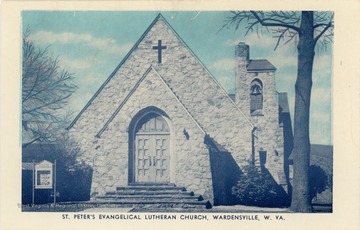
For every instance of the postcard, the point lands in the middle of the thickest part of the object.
(133, 114)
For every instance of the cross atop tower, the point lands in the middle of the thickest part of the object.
(159, 48)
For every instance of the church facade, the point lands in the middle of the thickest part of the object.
(162, 118)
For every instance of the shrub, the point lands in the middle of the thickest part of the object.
(319, 181)
(75, 183)
(259, 188)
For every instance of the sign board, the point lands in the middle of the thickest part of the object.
(44, 175)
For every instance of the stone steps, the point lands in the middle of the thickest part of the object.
(152, 184)
(152, 196)
(147, 192)
(149, 197)
(152, 201)
(150, 188)
(151, 205)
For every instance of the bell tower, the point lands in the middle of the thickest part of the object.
(256, 96)
(255, 89)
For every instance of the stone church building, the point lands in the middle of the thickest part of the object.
(162, 119)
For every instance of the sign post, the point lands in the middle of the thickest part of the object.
(55, 183)
(33, 184)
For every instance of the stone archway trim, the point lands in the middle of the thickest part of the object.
(151, 68)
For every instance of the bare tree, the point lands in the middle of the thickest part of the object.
(46, 89)
(306, 29)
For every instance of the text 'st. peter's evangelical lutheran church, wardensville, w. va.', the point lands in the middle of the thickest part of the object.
(162, 120)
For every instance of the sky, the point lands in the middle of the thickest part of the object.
(90, 44)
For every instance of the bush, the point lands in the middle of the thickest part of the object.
(73, 179)
(259, 189)
(75, 183)
(319, 181)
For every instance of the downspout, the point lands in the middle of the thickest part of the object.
(253, 136)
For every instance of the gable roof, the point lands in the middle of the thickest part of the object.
(260, 65)
(134, 89)
(159, 17)
(114, 72)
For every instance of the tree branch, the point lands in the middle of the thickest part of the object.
(47, 104)
(328, 26)
(29, 143)
(278, 24)
(45, 94)
(320, 25)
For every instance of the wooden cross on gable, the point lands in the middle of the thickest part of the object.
(159, 47)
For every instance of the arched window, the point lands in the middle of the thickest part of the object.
(256, 97)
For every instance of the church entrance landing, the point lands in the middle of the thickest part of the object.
(152, 150)
(156, 196)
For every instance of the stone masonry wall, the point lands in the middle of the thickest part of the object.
(206, 101)
(269, 133)
(190, 162)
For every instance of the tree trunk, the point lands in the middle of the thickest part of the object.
(301, 152)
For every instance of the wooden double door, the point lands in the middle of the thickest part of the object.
(152, 150)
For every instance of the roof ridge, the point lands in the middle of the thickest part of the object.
(207, 70)
(180, 102)
(159, 16)
(260, 64)
(123, 102)
(134, 89)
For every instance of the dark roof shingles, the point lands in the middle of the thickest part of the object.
(260, 64)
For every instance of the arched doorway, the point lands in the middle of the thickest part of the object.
(151, 149)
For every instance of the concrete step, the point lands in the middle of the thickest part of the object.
(150, 197)
(151, 188)
(151, 204)
(151, 201)
(147, 192)
(152, 184)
